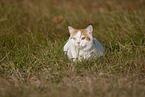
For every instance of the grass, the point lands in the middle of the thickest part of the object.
(33, 33)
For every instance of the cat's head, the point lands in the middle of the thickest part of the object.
(81, 37)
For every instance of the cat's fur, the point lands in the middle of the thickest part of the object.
(82, 45)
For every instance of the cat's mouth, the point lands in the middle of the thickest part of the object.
(78, 45)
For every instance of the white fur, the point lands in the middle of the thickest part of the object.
(84, 50)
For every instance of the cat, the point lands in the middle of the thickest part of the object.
(81, 44)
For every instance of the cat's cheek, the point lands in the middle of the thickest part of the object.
(83, 44)
(72, 41)
(75, 44)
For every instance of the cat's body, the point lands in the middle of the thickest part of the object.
(82, 45)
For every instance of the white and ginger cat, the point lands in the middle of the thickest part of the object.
(82, 45)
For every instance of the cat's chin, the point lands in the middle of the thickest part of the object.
(80, 46)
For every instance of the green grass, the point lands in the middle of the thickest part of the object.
(33, 33)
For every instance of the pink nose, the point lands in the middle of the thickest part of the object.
(78, 42)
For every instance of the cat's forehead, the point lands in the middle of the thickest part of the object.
(79, 32)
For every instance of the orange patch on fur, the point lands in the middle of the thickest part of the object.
(83, 32)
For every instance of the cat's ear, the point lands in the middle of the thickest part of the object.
(71, 29)
(89, 29)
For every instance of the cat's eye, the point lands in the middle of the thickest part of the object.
(74, 38)
(83, 38)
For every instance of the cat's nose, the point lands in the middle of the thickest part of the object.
(78, 42)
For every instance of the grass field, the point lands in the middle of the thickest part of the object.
(33, 33)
